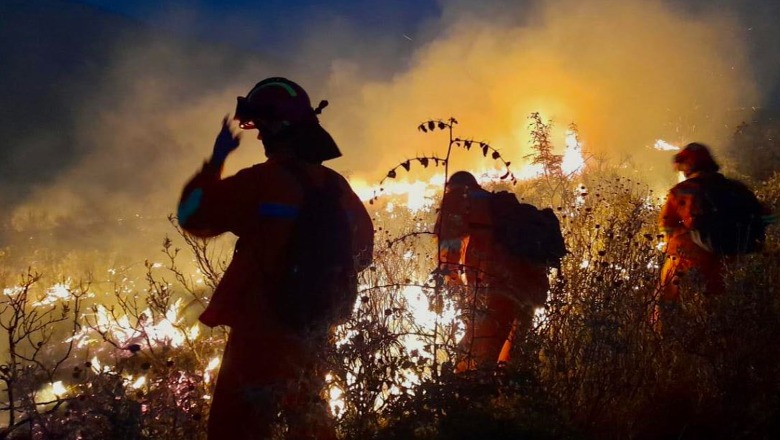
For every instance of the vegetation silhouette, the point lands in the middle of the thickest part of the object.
(595, 366)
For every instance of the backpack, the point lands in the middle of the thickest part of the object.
(320, 286)
(525, 231)
(729, 219)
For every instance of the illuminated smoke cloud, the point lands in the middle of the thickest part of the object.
(628, 73)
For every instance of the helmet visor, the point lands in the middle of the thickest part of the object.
(243, 114)
(247, 113)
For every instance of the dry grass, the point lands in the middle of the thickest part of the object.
(597, 365)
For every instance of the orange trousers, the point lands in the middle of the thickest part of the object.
(707, 271)
(262, 376)
(487, 331)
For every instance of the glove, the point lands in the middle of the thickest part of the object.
(227, 141)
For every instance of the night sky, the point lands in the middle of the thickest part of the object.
(276, 26)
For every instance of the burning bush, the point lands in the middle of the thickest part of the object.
(120, 361)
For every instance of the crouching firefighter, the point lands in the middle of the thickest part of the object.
(303, 235)
(504, 248)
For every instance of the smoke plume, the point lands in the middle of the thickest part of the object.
(627, 73)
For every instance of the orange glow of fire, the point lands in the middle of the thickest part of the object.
(166, 329)
(414, 195)
(421, 194)
(426, 321)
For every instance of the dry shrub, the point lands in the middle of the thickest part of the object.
(597, 365)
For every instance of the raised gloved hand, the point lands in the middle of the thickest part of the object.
(227, 141)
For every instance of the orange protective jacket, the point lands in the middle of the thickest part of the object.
(683, 204)
(259, 205)
(466, 240)
(264, 360)
(513, 286)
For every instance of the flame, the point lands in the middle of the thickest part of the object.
(420, 194)
(96, 366)
(426, 317)
(580, 194)
(140, 382)
(662, 145)
(58, 388)
(56, 293)
(573, 162)
(12, 291)
(540, 316)
(335, 395)
(213, 364)
(194, 332)
(164, 330)
(51, 392)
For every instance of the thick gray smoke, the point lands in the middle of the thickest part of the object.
(95, 161)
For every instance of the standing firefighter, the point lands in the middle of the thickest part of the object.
(303, 235)
(706, 218)
(478, 235)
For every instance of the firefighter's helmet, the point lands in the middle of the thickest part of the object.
(697, 157)
(462, 178)
(276, 100)
(283, 111)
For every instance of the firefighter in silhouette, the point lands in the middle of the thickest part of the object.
(706, 220)
(501, 290)
(287, 232)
